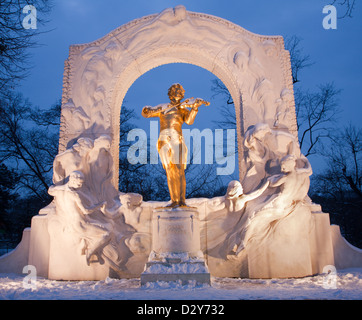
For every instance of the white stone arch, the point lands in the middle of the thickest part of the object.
(255, 69)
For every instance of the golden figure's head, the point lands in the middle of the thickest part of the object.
(176, 93)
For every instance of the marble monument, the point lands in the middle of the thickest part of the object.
(265, 226)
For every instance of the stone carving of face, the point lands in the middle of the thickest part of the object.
(287, 164)
(235, 189)
(76, 180)
(83, 146)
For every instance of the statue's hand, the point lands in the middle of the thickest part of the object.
(199, 102)
(145, 111)
(103, 207)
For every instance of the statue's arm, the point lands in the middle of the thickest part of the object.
(112, 212)
(52, 191)
(149, 112)
(191, 115)
(257, 193)
(87, 210)
(277, 180)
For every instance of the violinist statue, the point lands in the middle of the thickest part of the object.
(171, 145)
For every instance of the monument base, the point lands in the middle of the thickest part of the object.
(176, 254)
(173, 267)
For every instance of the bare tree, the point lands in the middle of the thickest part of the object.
(8, 180)
(15, 40)
(202, 180)
(348, 5)
(47, 118)
(25, 146)
(344, 157)
(316, 113)
(228, 119)
(342, 180)
(299, 60)
(339, 187)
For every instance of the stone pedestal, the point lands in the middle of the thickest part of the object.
(176, 254)
(285, 252)
(321, 246)
(65, 259)
(39, 247)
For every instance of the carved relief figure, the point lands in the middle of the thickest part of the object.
(73, 209)
(293, 185)
(101, 168)
(265, 147)
(80, 120)
(236, 199)
(272, 156)
(103, 232)
(236, 202)
(293, 181)
(71, 160)
(227, 219)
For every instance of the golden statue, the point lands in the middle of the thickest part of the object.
(171, 145)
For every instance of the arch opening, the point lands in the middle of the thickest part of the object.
(136, 70)
(202, 138)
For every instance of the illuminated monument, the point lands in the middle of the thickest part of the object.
(264, 227)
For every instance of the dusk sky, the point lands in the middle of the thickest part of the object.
(336, 53)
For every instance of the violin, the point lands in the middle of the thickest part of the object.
(188, 103)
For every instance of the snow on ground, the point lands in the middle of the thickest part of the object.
(346, 285)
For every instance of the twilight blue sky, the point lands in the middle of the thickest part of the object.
(336, 53)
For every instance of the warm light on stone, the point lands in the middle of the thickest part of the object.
(264, 227)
